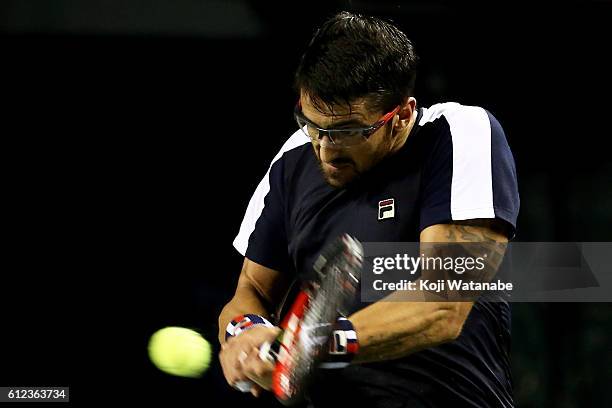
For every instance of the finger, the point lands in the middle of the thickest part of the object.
(232, 369)
(258, 371)
(234, 359)
(249, 362)
(242, 356)
(256, 390)
(260, 368)
(232, 380)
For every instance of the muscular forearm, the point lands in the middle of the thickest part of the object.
(389, 330)
(246, 300)
(395, 327)
(258, 291)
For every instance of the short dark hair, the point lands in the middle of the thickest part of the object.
(353, 56)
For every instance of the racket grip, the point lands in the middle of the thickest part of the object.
(243, 386)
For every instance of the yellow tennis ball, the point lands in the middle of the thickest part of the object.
(180, 351)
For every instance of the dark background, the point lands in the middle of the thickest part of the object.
(135, 133)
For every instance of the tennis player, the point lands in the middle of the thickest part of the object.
(369, 161)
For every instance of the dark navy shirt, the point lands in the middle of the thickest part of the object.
(455, 165)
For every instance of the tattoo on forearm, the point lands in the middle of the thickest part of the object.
(475, 239)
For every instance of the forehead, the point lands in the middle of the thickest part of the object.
(325, 115)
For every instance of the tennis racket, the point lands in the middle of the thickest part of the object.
(309, 322)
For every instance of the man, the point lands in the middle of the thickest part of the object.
(447, 174)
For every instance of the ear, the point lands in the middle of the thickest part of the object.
(405, 114)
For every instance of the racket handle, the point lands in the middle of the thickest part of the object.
(243, 386)
(266, 354)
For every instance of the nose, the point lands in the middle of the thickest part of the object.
(328, 153)
(325, 142)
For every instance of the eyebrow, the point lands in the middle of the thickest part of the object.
(349, 122)
(340, 123)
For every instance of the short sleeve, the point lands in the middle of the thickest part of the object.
(263, 237)
(470, 172)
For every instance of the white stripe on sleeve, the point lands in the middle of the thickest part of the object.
(472, 178)
(472, 183)
(256, 204)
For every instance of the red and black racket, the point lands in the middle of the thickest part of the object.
(309, 322)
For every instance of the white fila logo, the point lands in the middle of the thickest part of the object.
(386, 209)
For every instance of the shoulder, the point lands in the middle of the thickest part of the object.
(459, 118)
(465, 132)
(469, 171)
(295, 143)
(264, 203)
(291, 152)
